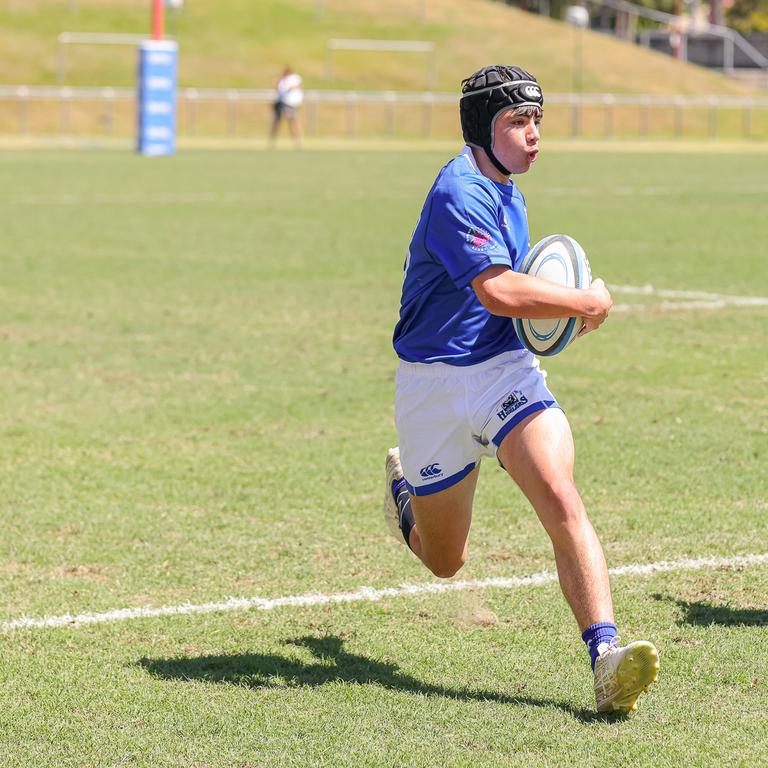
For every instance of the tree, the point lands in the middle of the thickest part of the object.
(748, 16)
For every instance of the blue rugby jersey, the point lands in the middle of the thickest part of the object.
(467, 224)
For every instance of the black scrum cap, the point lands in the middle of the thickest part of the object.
(487, 94)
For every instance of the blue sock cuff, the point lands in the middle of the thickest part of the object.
(602, 632)
(601, 628)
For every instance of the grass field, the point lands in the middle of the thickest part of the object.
(195, 403)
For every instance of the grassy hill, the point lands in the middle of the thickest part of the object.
(245, 43)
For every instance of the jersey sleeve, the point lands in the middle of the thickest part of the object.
(464, 233)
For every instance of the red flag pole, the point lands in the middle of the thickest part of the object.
(157, 19)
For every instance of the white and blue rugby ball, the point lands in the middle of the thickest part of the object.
(562, 260)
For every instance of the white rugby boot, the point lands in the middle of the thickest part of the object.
(391, 513)
(622, 674)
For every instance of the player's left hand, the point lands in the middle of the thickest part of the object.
(603, 303)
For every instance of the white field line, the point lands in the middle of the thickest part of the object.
(193, 198)
(368, 594)
(189, 198)
(640, 191)
(684, 300)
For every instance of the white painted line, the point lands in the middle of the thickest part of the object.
(368, 594)
(670, 306)
(189, 198)
(665, 293)
(685, 299)
(640, 191)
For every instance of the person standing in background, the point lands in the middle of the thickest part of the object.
(289, 99)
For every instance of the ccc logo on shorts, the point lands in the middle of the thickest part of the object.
(431, 470)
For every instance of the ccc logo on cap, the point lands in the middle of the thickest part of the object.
(531, 91)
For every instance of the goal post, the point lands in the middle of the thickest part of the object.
(158, 19)
(156, 90)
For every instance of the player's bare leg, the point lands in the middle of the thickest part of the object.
(435, 527)
(295, 127)
(539, 456)
(440, 536)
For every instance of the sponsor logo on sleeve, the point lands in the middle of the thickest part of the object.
(480, 239)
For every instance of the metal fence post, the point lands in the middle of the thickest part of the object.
(311, 117)
(575, 116)
(645, 116)
(23, 97)
(232, 98)
(390, 124)
(351, 114)
(609, 101)
(426, 117)
(190, 96)
(108, 94)
(65, 110)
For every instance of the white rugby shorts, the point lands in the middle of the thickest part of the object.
(448, 417)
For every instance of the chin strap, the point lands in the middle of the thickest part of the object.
(495, 161)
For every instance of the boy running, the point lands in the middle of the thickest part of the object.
(467, 388)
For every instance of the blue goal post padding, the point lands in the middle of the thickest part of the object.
(156, 97)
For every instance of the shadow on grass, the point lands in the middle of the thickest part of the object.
(702, 614)
(334, 665)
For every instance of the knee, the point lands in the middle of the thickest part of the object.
(566, 508)
(446, 566)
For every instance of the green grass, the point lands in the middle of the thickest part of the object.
(196, 400)
(242, 43)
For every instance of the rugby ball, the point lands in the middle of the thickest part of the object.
(562, 260)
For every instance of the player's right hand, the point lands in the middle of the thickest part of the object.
(599, 306)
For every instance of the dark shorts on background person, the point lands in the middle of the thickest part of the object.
(283, 110)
